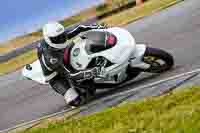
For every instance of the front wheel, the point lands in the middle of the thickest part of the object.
(158, 59)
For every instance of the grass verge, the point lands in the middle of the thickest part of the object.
(176, 112)
(98, 10)
(138, 12)
(119, 19)
(19, 42)
(18, 62)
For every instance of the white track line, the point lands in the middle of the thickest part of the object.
(36, 120)
(120, 93)
(155, 83)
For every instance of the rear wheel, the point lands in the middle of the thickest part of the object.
(158, 59)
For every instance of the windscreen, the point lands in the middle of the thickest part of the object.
(97, 41)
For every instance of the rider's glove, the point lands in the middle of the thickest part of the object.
(77, 76)
(84, 75)
(92, 73)
(95, 71)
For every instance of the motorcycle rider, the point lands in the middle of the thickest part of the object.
(53, 53)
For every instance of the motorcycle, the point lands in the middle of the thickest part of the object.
(115, 52)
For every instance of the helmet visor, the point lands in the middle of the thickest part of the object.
(60, 39)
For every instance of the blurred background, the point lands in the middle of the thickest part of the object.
(23, 16)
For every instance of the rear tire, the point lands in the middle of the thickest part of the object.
(159, 60)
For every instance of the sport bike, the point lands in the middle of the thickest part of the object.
(115, 52)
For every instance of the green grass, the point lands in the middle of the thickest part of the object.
(118, 19)
(17, 62)
(21, 41)
(177, 112)
(136, 13)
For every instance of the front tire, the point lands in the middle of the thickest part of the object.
(158, 59)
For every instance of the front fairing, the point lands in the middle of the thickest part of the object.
(34, 72)
(119, 54)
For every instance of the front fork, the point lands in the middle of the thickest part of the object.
(136, 60)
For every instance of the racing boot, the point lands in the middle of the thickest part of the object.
(74, 98)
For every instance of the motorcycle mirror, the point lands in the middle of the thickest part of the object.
(28, 67)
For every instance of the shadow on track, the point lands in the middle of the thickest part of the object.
(125, 86)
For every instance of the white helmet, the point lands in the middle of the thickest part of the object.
(54, 35)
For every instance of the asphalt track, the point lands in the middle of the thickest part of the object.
(176, 30)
